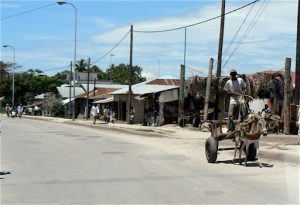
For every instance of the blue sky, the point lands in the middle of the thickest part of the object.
(44, 39)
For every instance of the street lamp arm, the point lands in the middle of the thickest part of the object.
(14, 68)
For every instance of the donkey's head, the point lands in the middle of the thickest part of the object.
(260, 124)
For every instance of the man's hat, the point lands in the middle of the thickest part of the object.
(233, 71)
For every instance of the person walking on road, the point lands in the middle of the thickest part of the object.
(234, 87)
(94, 113)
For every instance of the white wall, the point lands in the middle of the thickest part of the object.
(258, 104)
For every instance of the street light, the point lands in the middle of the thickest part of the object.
(111, 55)
(75, 45)
(13, 80)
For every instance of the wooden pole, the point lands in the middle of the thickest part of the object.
(70, 89)
(88, 90)
(220, 50)
(297, 69)
(208, 86)
(129, 75)
(181, 92)
(287, 94)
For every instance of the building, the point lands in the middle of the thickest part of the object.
(153, 98)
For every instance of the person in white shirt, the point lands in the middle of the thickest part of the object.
(234, 87)
(20, 110)
(94, 113)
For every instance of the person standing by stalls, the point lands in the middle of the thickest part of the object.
(94, 113)
(234, 87)
(131, 115)
(20, 110)
(7, 110)
(266, 109)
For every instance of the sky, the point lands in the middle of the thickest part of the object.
(256, 38)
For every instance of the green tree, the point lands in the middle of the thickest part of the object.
(5, 82)
(81, 65)
(120, 74)
(58, 110)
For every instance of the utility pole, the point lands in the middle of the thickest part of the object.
(181, 96)
(220, 50)
(208, 85)
(287, 94)
(129, 74)
(297, 69)
(88, 90)
(70, 89)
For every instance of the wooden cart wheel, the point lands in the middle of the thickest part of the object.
(211, 149)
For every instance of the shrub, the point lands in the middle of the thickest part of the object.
(58, 110)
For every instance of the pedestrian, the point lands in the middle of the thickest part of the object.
(7, 110)
(266, 109)
(20, 110)
(131, 115)
(234, 87)
(94, 113)
(105, 114)
(111, 115)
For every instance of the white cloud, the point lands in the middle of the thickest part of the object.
(272, 39)
(8, 5)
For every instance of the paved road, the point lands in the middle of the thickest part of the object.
(52, 163)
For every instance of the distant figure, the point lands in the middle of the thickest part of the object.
(131, 115)
(7, 110)
(111, 115)
(20, 110)
(106, 115)
(266, 109)
(94, 113)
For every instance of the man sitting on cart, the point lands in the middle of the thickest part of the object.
(234, 87)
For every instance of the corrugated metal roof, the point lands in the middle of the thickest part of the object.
(175, 82)
(147, 87)
(100, 93)
(142, 88)
(107, 100)
(114, 86)
(64, 91)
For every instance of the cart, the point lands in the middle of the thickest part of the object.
(212, 143)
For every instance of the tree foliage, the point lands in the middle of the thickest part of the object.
(28, 84)
(120, 74)
(33, 82)
(58, 110)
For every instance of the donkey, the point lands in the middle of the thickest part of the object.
(250, 132)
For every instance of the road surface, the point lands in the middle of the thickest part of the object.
(55, 163)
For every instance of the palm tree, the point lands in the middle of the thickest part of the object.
(81, 66)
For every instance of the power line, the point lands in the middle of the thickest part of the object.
(109, 51)
(250, 27)
(26, 12)
(236, 33)
(198, 23)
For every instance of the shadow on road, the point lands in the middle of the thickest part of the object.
(4, 173)
(249, 163)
